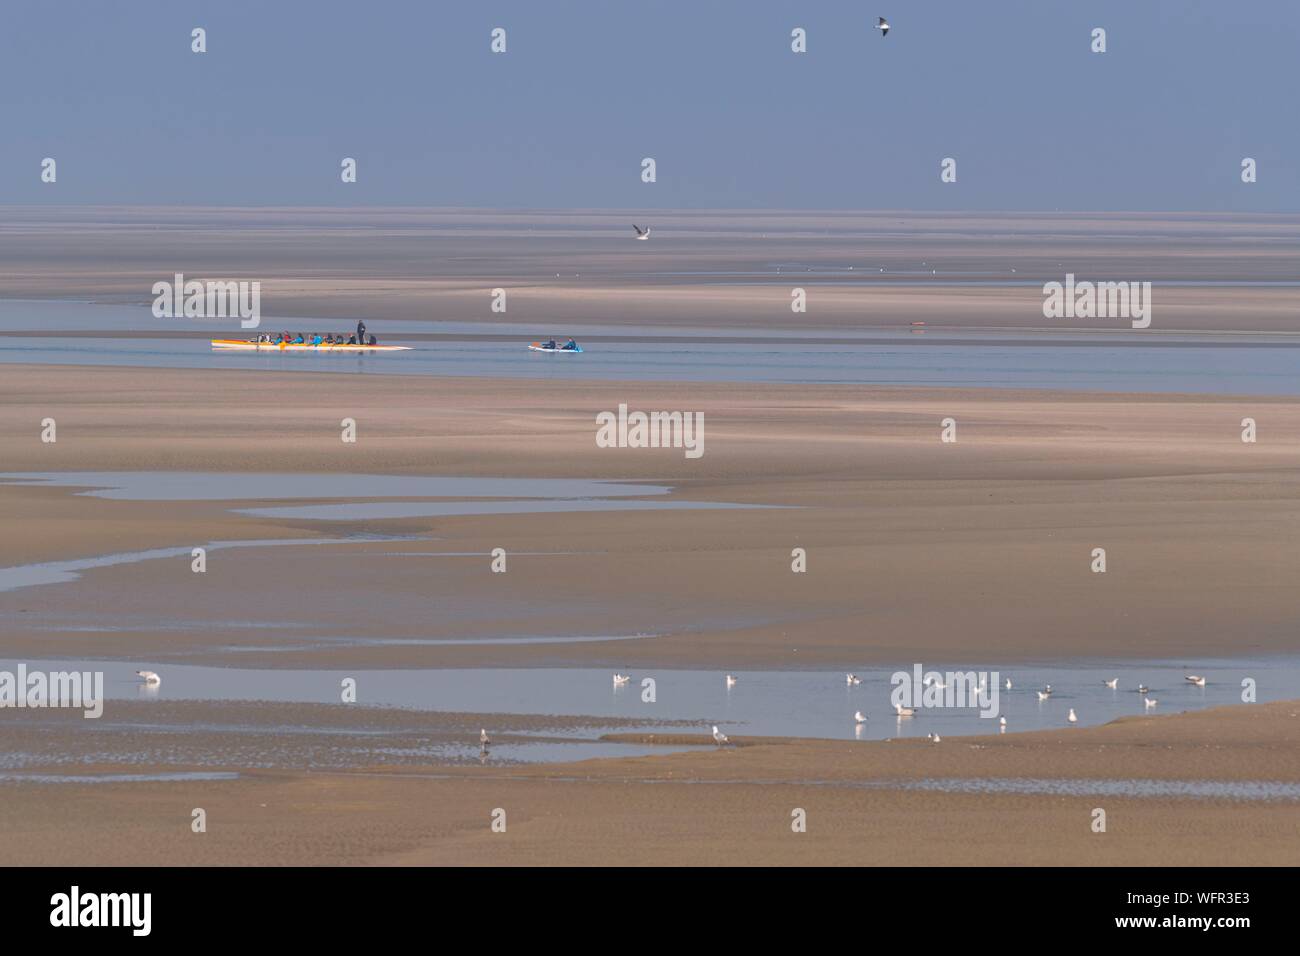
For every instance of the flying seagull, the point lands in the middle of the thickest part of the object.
(718, 736)
(149, 677)
(641, 233)
(883, 26)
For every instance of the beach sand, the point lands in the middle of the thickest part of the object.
(711, 806)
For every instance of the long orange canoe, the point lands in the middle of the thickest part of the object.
(304, 347)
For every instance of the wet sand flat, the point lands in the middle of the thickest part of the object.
(907, 537)
(708, 806)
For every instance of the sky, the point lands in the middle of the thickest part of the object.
(710, 89)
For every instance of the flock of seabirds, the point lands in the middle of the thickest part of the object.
(901, 712)
(152, 680)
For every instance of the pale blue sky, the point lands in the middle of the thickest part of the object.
(710, 89)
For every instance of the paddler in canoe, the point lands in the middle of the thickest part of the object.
(550, 346)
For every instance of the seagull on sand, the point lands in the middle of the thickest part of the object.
(149, 678)
(1002, 725)
(1150, 701)
(731, 681)
(903, 711)
(641, 233)
(852, 679)
(483, 738)
(1193, 679)
(1112, 683)
(858, 716)
(883, 26)
(1072, 718)
(934, 737)
(718, 736)
(621, 679)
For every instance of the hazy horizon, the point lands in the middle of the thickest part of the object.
(734, 119)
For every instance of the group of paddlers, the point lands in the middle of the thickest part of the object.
(316, 338)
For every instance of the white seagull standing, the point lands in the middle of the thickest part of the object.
(852, 679)
(1150, 701)
(718, 736)
(149, 678)
(1008, 683)
(483, 738)
(934, 737)
(1192, 679)
(1072, 718)
(883, 26)
(857, 715)
(1112, 683)
(731, 681)
(641, 233)
(1002, 725)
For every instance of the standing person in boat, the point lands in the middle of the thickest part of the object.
(361, 331)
